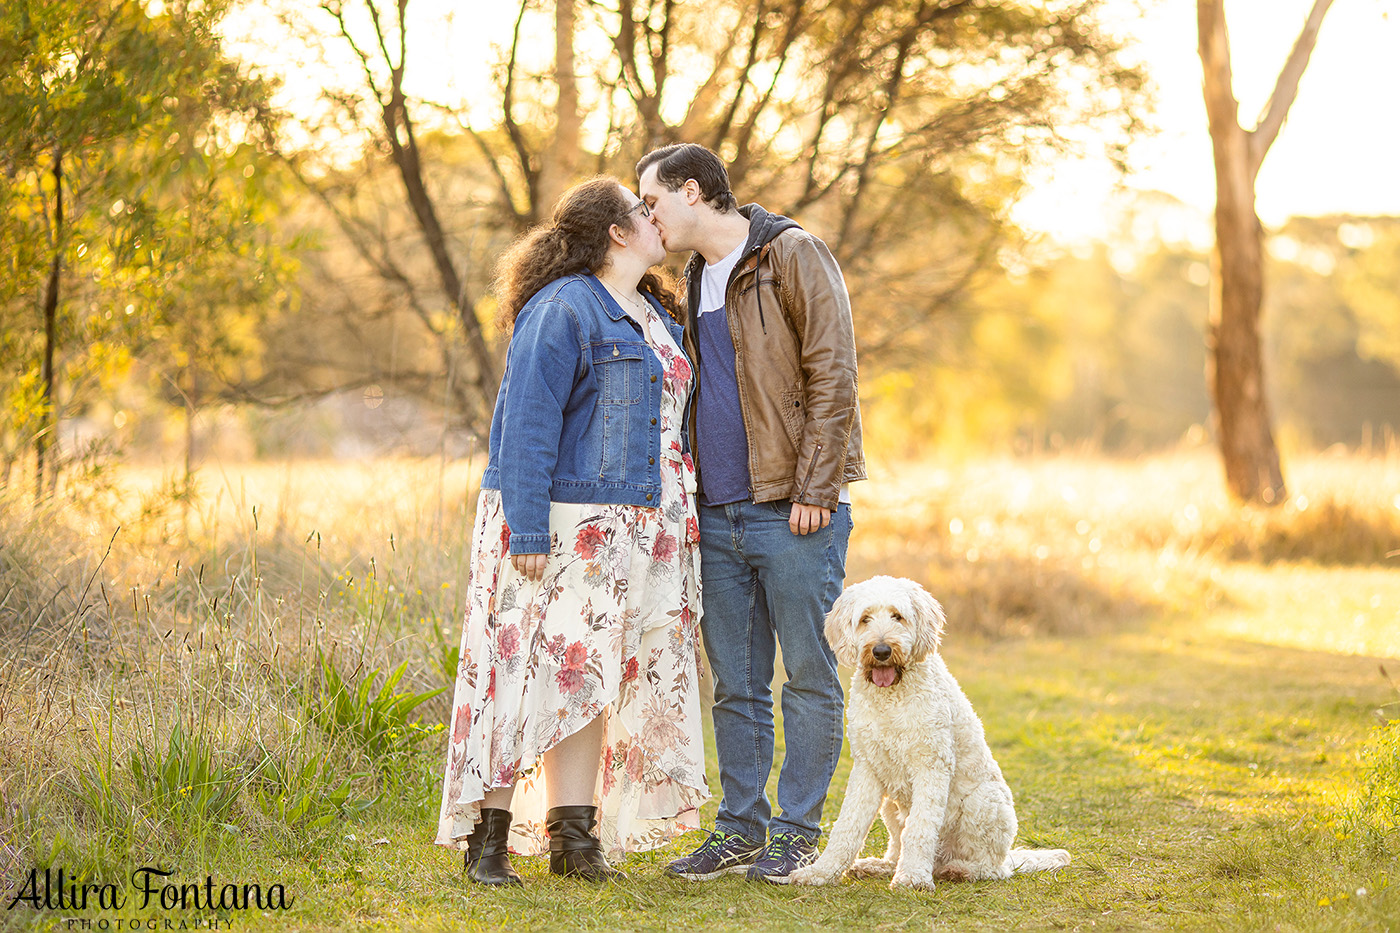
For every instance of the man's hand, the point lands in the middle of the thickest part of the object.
(806, 519)
(531, 565)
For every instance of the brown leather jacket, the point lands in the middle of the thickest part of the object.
(795, 359)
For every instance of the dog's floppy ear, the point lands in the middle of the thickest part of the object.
(928, 620)
(839, 623)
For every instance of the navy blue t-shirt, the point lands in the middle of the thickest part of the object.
(722, 448)
(722, 443)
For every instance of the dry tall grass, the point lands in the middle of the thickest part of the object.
(139, 606)
(1070, 545)
(139, 610)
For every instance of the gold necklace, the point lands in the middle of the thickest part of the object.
(641, 306)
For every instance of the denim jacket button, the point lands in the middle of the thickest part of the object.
(653, 378)
(615, 350)
(648, 497)
(653, 421)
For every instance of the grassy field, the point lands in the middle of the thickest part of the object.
(1188, 696)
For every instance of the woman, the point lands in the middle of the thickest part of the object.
(576, 690)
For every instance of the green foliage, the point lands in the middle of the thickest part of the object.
(1333, 324)
(98, 786)
(377, 720)
(148, 137)
(1381, 803)
(1191, 755)
(1368, 282)
(22, 411)
(308, 794)
(1116, 339)
(190, 780)
(1376, 811)
(447, 650)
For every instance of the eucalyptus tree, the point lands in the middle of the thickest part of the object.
(1252, 469)
(902, 131)
(126, 139)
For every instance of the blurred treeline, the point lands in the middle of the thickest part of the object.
(197, 247)
(1103, 345)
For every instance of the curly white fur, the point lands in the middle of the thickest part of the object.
(920, 757)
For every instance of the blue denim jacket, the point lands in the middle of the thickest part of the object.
(576, 419)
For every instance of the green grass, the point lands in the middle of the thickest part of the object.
(1199, 784)
(1193, 717)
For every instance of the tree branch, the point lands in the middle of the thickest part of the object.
(1286, 90)
(625, 42)
(660, 69)
(699, 108)
(518, 219)
(517, 137)
(796, 24)
(336, 11)
(731, 112)
(891, 96)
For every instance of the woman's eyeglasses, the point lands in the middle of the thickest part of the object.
(639, 206)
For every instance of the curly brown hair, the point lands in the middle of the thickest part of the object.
(575, 239)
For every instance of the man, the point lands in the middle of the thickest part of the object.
(776, 431)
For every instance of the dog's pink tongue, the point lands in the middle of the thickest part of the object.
(882, 676)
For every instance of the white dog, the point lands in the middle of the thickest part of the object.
(920, 757)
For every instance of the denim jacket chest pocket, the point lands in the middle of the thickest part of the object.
(619, 367)
(619, 372)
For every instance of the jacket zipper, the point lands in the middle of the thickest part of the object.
(807, 480)
(758, 292)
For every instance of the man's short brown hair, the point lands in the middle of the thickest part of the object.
(676, 164)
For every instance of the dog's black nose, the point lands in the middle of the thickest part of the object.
(881, 652)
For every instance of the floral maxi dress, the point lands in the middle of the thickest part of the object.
(611, 630)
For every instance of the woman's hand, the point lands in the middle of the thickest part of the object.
(531, 565)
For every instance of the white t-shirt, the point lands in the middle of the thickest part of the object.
(713, 280)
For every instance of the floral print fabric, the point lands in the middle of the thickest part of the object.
(611, 630)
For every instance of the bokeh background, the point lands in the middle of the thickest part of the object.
(276, 223)
(248, 358)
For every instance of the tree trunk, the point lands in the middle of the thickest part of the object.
(1235, 366)
(43, 441)
(561, 160)
(404, 149)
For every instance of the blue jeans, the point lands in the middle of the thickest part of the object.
(762, 587)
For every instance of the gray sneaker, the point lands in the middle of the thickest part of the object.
(722, 854)
(784, 854)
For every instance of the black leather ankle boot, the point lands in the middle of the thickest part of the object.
(486, 858)
(573, 848)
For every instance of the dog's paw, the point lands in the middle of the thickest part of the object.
(812, 875)
(911, 882)
(955, 871)
(872, 868)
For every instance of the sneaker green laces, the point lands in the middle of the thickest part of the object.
(721, 854)
(784, 854)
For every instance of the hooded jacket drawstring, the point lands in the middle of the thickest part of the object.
(758, 292)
